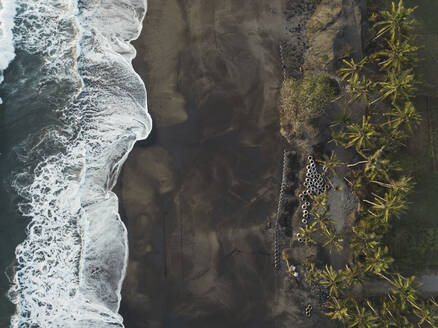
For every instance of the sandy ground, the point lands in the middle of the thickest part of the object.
(197, 194)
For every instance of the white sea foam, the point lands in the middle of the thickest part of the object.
(7, 51)
(73, 261)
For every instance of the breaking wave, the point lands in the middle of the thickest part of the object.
(7, 51)
(72, 263)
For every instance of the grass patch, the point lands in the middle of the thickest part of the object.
(304, 100)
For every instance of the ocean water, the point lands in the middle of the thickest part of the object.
(7, 51)
(73, 107)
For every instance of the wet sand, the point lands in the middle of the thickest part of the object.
(198, 194)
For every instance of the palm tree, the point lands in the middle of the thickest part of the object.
(339, 137)
(425, 314)
(404, 289)
(377, 260)
(375, 164)
(311, 274)
(333, 240)
(396, 55)
(360, 88)
(308, 232)
(322, 219)
(337, 309)
(362, 317)
(352, 68)
(361, 135)
(330, 163)
(391, 314)
(363, 240)
(319, 203)
(385, 207)
(405, 116)
(331, 279)
(400, 85)
(396, 22)
(343, 119)
(353, 274)
(403, 185)
(356, 182)
(404, 294)
(392, 139)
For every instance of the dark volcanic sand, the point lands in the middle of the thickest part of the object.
(197, 194)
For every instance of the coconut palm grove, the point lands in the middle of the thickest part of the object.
(385, 82)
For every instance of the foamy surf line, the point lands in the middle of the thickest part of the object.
(72, 263)
(7, 51)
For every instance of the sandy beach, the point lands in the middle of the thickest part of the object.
(199, 194)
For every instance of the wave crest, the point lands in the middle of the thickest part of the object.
(73, 261)
(7, 50)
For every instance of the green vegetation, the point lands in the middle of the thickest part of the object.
(385, 81)
(304, 100)
(413, 246)
(414, 239)
(396, 23)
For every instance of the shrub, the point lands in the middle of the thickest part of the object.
(302, 101)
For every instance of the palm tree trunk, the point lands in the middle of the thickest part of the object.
(358, 163)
